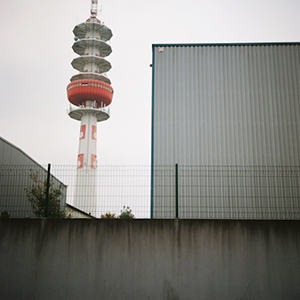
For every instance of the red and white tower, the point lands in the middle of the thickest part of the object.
(91, 93)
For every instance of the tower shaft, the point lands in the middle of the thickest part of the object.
(85, 192)
(87, 153)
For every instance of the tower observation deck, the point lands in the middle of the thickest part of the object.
(91, 94)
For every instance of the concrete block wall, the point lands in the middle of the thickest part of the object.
(149, 259)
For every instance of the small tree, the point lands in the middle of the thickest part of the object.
(126, 213)
(4, 214)
(108, 215)
(36, 195)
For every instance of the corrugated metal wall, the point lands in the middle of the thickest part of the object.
(15, 170)
(226, 105)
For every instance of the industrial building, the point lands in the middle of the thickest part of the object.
(229, 116)
(16, 168)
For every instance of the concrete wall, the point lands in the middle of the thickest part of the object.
(149, 259)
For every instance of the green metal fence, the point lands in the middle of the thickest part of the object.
(177, 191)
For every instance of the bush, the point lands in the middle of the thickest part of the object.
(126, 213)
(108, 215)
(4, 214)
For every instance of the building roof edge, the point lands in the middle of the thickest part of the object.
(226, 44)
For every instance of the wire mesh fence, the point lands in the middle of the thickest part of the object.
(108, 189)
(17, 182)
(115, 187)
(227, 192)
(217, 192)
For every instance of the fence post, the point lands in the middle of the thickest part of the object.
(176, 189)
(47, 192)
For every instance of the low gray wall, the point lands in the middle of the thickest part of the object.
(149, 259)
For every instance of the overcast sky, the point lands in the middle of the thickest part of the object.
(36, 57)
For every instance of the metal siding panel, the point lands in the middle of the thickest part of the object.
(248, 97)
(227, 105)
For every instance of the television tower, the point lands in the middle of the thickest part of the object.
(91, 93)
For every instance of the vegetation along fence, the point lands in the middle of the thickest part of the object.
(223, 192)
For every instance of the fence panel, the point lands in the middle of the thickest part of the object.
(206, 192)
(228, 192)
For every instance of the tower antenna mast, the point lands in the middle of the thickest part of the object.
(94, 8)
(90, 92)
